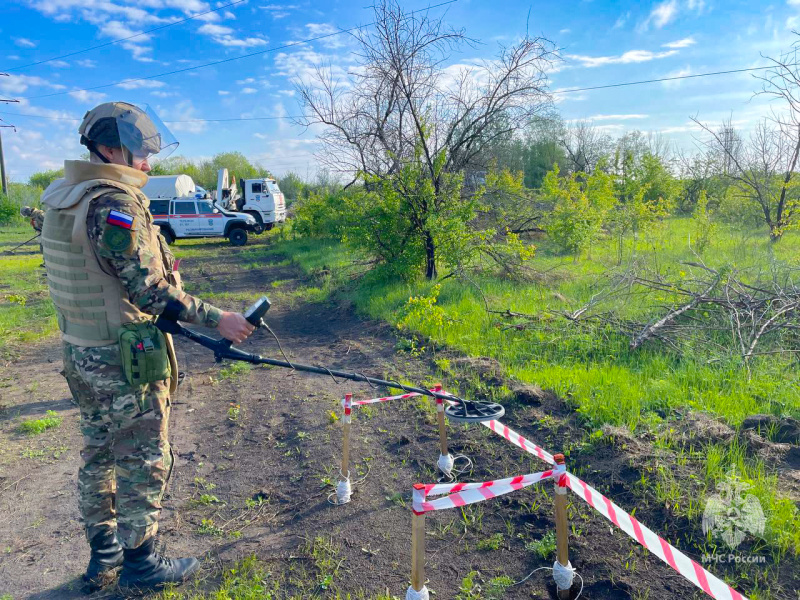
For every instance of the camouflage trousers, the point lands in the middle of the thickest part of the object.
(126, 455)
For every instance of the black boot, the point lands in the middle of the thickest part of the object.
(144, 569)
(106, 557)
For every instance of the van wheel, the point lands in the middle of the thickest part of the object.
(167, 235)
(259, 226)
(237, 237)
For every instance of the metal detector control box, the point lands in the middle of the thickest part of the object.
(256, 312)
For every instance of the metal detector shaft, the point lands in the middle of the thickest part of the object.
(456, 409)
(222, 351)
(14, 249)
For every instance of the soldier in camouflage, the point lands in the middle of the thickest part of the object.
(107, 266)
(35, 215)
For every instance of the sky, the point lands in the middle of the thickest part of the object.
(601, 42)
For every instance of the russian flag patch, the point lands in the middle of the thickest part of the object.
(120, 219)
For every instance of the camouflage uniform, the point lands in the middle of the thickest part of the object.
(126, 457)
(36, 216)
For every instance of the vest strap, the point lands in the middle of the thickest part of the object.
(64, 262)
(63, 247)
(61, 301)
(75, 289)
(68, 275)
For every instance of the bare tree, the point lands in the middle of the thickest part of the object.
(403, 105)
(761, 169)
(586, 146)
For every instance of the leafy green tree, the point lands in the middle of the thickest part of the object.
(43, 179)
(292, 186)
(582, 203)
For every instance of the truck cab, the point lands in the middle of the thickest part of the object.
(199, 217)
(263, 199)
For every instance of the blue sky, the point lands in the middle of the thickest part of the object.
(602, 42)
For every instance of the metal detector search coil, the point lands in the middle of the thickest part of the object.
(466, 411)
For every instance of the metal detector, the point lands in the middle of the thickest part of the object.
(458, 409)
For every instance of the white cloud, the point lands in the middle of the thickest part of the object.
(326, 29)
(245, 81)
(621, 20)
(224, 36)
(88, 63)
(13, 57)
(564, 31)
(211, 29)
(24, 43)
(141, 84)
(248, 90)
(661, 15)
(696, 5)
(15, 85)
(159, 94)
(223, 92)
(179, 117)
(684, 43)
(87, 96)
(679, 73)
(631, 56)
(58, 64)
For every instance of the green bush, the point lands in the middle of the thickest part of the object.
(37, 426)
(9, 211)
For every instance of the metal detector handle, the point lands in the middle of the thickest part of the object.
(254, 315)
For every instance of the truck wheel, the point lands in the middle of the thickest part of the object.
(269, 226)
(259, 227)
(237, 237)
(167, 235)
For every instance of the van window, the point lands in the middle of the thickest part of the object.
(258, 188)
(159, 207)
(185, 208)
(204, 208)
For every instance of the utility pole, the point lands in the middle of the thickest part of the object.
(3, 164)
(3, 172)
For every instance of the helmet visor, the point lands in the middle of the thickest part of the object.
(143, 134)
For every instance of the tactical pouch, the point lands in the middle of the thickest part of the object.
(144, 353)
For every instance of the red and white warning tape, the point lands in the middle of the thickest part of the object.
(676, 559)
(461, 494)
(400, 397)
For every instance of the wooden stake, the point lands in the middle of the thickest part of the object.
(440, 418)
(418, 547)
(348, 399)
(562, 526)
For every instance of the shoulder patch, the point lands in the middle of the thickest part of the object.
(118, 239)
(121, 219)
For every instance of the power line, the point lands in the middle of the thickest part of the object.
(130, 37)
(225, 60)
(643, 81)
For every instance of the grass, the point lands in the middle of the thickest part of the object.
(544, 547)
(37, 426)
(26, 312)
(594, 370)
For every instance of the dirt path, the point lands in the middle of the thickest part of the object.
(256, 452)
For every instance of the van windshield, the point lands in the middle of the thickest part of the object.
(273, 187)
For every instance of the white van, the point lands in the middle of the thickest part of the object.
(190, 217)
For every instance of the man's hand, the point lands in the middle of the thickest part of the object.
(234, 327)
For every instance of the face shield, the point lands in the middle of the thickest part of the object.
(142, 134)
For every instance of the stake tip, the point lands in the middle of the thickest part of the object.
(559, 458)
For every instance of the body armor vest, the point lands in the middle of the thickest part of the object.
(90, 300)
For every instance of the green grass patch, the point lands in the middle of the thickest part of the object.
(592, 368)
(234, 370)
(37, 426)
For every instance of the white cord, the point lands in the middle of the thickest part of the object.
(344, 488)
(572, 571)
(452, 474)
(412, 594)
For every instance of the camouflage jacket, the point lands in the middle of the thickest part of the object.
(136, 265)
(36, 217)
